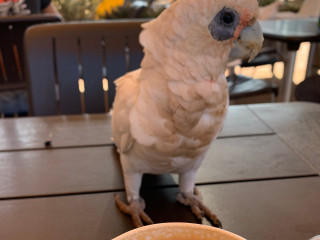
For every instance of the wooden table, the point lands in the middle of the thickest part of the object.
(292, 32)
(261, 177)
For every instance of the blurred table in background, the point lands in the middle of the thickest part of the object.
(291, 32)
(261, 176)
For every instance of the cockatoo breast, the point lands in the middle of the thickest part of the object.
(182, 120)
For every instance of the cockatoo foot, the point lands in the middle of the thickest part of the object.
(198, 208)
(136, 210)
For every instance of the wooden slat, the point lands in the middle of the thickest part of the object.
(90, 169)
(41, 71)
(242, 121)
(267, 210)
(297, 124)
(122, 36)
(116, 62)
(264, 210)
(96, 129)
(63, 131)
(249, 158)
(68, 74)
(135, 49)
(91, 58)
(59, 171)
(64, 218)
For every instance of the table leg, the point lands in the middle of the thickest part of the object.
(312, 52)
(288, 76)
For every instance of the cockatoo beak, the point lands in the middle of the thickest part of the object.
(249, 43)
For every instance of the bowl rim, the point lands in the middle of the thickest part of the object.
(178, 224)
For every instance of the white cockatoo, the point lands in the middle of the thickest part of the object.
(167, 113)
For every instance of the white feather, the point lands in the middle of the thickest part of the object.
(166, 114)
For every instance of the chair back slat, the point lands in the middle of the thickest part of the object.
(91, 60)
(116, 62)
(92, 51)
(135, 51)
(40, 62)
(67, 59)
(128, 59)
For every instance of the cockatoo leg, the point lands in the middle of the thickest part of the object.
(136, 210)
(190, 196)
(136, 206)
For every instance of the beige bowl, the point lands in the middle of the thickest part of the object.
(178, 231)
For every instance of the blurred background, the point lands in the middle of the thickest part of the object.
(99, 9)
(78, 10)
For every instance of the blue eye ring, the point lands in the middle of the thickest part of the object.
(224, 24)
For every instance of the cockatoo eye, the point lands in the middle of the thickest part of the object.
(227, 17)
(223, 25)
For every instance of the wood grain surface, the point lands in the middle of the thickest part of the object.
(268, 210)
(298, 125)
(95, 130)
(261, 177)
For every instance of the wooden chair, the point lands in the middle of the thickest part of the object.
(12, 29)
(71, 66)
(242, 88)
(13, 96)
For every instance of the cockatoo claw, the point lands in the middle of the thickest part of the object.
(198, 208)
(136, 210)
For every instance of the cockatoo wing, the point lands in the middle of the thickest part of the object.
(126, 89)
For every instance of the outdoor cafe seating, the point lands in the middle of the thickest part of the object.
(60, 169)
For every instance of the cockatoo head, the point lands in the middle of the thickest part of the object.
(205, 27)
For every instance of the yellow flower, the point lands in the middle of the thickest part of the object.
(107, 6)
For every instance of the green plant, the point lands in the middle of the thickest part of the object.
(265, 2)
(77, 9)
(286, 5)
(134, 12)
(292, 5)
